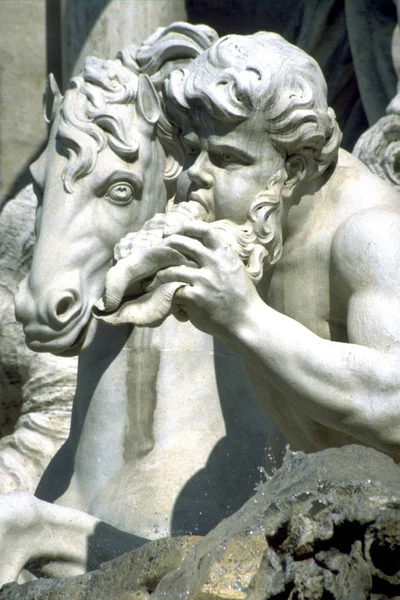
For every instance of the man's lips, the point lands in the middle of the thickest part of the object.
(198, 197)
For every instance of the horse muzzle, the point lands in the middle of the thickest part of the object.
(55, 321)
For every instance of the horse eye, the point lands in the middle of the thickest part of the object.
(120, 193)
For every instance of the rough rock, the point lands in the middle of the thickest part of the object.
(330, 522)
(326, 526)
(36, 390)
(134, 575)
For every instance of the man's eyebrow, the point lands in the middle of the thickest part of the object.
(190, 136)
(223, 146)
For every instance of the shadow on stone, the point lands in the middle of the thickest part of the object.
(326, 526)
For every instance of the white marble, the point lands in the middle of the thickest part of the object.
(290, 262)
(319, 333)
(161, 442)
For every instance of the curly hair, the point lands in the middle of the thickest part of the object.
(241, 75)
(87, 120)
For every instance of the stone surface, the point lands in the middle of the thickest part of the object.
(373, 22)
(22, 79)
(36, 391)
(133, 576)
(326, 525)
(313, 525)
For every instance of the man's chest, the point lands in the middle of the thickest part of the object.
(304, 287)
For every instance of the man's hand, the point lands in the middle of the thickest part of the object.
(181, 266)
(139, 256)
(218, 290)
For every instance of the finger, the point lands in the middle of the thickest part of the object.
(156, 222)
(182, 296)
(133, 269)
(178, 308)
(210, 237)
(189, 247)
(149, 310)
(173, 274)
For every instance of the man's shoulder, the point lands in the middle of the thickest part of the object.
(366, 246)
(353, 181)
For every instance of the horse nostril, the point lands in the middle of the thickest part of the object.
(64, 306)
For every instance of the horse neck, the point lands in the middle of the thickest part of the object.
(118, 383)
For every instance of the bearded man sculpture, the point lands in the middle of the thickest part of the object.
(319, 334)
(282, 246)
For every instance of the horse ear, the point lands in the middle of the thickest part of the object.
(148, 102)
(52, 99)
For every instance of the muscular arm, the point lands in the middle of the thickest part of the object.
(352, 388)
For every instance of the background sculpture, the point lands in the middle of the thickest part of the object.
(379, 146)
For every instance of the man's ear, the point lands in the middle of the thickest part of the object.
(296, 170)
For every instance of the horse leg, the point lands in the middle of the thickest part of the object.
(53, 540)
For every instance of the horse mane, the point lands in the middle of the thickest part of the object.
(87, 121)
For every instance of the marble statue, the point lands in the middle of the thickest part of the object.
(160, 442)
(277, 243)
(318, 333)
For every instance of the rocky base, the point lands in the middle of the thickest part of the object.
(36, 390)
(133, 575)
(326, 526)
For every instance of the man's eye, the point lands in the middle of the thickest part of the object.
(227, 157)
(120, 193)
(192, 150)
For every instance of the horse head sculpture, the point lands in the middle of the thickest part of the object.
(101, 176)
(103, 173)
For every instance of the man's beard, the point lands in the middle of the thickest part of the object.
(258, 242)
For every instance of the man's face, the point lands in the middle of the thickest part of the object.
(227, 166)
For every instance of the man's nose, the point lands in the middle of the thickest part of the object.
(199, 172)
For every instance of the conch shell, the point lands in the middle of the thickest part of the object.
(139, 257)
